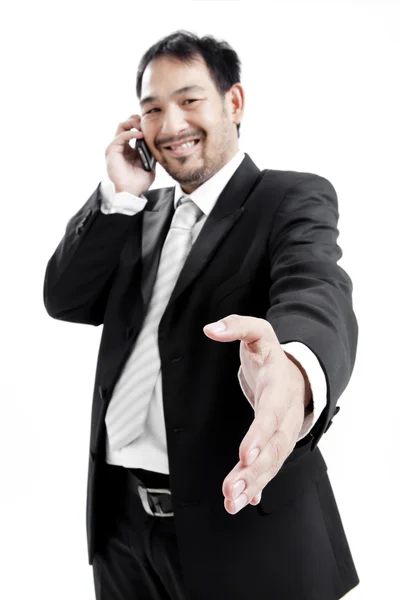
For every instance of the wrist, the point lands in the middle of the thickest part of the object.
(122, 188)
(307, 394)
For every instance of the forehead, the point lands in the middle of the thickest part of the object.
(164, 75)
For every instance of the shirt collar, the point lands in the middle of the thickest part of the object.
(206, 195)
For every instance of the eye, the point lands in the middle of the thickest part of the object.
(190, 100)
(150, 111)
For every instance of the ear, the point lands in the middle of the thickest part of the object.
(235, 100)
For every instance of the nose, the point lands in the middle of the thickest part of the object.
(174, 124)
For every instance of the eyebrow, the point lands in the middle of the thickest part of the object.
(183, 90)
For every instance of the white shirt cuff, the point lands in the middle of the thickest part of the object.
(316, 377)
(119, 202)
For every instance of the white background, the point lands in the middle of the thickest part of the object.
(321, 82)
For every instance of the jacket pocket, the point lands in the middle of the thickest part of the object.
(291, 481)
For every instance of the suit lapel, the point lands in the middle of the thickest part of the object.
(225, 214)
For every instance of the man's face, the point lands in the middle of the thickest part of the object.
(172, 115)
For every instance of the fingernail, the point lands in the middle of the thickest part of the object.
(217, 327)
(240, 502)
(238, 488)
(253, 455)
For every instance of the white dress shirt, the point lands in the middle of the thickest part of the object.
(149, 450)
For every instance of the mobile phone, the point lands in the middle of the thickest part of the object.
(148, 160)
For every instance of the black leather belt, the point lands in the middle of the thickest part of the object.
(156, 498)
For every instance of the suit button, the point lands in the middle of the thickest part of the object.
(179, 429)
(78, 229)
(176, 358)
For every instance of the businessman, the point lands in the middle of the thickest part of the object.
(228, 338)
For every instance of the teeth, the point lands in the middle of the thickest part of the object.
(185, 145)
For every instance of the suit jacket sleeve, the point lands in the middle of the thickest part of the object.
(310, 294)
(79, 274)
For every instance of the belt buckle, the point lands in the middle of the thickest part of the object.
(145, 501)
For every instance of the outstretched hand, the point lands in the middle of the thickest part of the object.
(281, 392)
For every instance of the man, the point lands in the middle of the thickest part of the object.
(228, 337)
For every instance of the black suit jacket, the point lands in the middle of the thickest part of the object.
(268, 249)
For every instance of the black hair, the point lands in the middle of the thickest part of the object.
(221, 59)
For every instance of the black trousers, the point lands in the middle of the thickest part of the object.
(138, 557)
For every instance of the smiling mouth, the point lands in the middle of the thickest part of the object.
(183, 149)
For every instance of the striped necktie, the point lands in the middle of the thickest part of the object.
(128, 408)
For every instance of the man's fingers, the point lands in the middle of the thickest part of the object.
(250, 330)
(269, 417)
(256, 499)
(252, 492)
(248, 479)
(132, 122)
(257, 475)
